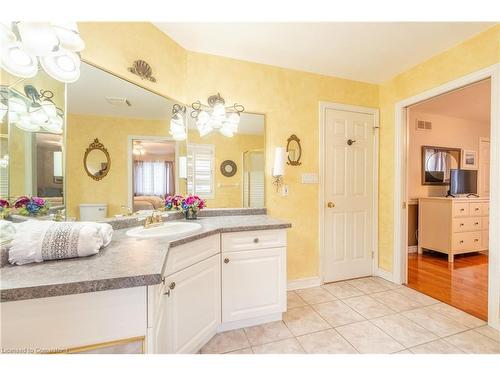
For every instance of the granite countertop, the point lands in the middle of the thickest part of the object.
(125, 263)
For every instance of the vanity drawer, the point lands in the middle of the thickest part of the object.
(182, 256)
(262, 239)
(467, 224)
(460, 209)
(466, 241)
(476, 209)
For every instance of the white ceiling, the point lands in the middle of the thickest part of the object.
(469, 103)
(88, 96)
(363, 51)
(158, 148)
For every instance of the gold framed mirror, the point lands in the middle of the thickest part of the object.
(294, 150)
(96, 160)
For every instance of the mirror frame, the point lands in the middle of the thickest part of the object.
(230, 163)
(293, 138)
(96, 145)
(439, 148)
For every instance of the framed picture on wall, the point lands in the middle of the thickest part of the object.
(469, 159)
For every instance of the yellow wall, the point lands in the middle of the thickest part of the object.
(289, 99)
(113, 133)
(467, 57)
(228, 149)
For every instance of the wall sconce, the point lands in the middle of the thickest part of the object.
(279, 167)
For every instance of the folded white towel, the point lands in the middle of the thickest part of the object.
(39, 240)
(7, 231)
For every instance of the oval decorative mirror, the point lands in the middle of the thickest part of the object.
(294, 150)
(228, 168)
(96, 160)
(437, 163)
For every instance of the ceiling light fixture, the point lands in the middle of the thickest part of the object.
(177, 124)
(54, 45)
(216, 116)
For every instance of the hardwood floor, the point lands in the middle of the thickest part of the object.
(462, 284)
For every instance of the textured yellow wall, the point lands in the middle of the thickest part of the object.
(467, 57)
(113, 133)
(228, 149)
(290, 100)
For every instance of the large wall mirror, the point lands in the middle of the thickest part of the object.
(32, 140)
(437, 163)
(140, 164)
(228, 172)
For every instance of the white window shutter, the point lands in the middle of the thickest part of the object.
(200, 170)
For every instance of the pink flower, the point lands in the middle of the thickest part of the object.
(21, 202)
(38, 201)
(4, 203)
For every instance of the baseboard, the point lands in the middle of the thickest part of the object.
(412, 249)
(307, 282)
(385, 274)
(229, 326)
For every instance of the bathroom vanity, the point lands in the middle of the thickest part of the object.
(161, 295)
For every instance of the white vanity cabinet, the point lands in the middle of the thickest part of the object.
(190, 308)
(253, 277)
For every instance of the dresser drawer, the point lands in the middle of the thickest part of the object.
(476, 208)
(460, 209)
(463, 242)
(485, 208)
(263, 239)
(467, 224)
(182, 256)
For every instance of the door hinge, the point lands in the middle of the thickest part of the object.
(404, 204)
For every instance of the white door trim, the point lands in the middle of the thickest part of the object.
(130, 140)
(321, 206)
(400, 190)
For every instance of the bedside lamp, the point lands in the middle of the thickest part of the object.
(279, 167)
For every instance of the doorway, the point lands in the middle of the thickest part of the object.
(401, 197)
(348, 193)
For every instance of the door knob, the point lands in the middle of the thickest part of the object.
(350, 142)
(226, 260)
(331, 205)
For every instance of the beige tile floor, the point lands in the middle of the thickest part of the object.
(368, 315)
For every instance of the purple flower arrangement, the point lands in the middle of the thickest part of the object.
(190, 204)
(33, 206)
(173, 202)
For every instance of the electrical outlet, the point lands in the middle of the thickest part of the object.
(284, 191)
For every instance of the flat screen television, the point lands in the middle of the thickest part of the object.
(463, 181)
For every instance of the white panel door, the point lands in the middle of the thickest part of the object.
(484, 167)
(349, 183)
(253, 283)
(191, 311)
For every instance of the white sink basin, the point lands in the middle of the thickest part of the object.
(164, 230)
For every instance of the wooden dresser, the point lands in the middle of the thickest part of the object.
(453, 225)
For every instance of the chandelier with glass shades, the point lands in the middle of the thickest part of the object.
(53, 46)
(178, 129)
(216, 116)
(36, 111)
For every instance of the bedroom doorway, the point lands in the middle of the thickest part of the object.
(469, 217)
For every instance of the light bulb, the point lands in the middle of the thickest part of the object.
(37, 114)
(38, 38)
(219, 110)
(49, 108)
(26, 124)
(234, 118)
(203, 118)
(62, 65)
(16, 61)
(226, 131)
(204, 130)
(17, 105)
(68, 35)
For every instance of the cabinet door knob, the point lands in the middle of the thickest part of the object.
(226, 260)
(255, 240)
(476, 223)
(476, 239)
(172, 285)
(462, 210)
(462, 241)
(461, 224)
(331, 205)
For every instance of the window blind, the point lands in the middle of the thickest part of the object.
(200, 170)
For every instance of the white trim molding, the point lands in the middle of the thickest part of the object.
(321, 206)
(400, 178)
(307, 282)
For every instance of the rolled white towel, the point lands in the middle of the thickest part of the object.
(7, 231)
(105, 230)
(39, 240)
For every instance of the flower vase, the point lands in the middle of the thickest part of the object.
(191, 214)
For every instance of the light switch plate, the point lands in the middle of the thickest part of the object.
(284, 191)
(310, 178)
